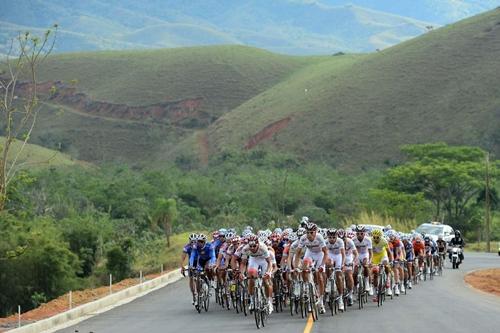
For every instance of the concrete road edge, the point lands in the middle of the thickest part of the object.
(104, 304)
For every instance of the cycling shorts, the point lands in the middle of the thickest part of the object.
(256, 262)
(316, 257)
(336, 260)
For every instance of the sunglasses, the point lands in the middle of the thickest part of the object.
(252, 246)
(311, 232)
(376, 237)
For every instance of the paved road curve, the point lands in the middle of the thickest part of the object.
(446, 303)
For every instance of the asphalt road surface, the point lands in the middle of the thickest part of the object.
(445, 304)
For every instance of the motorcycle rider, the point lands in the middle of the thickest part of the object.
(458, 241)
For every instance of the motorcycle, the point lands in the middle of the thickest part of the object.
(456, 255)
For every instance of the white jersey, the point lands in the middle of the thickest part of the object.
(335, 248)
(315, 246)
(363, 246)
(349, 246)
(262, 252)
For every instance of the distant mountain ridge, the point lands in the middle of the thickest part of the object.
(283, 26)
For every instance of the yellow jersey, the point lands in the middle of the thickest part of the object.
(379, 250)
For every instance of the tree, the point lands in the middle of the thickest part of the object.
(19, 118)
(450, 177)
(164, 216)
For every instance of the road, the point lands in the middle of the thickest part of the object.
(446, 304)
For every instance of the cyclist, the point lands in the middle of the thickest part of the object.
(186, 253)
(351, 256)
(202, 257)
(410, 257)
(316, 254)
(336, 261)
(419, 248)
(430, 249)
(364, 247)
(395, 248)
(381, 256)
(441, 247)
(257, 255)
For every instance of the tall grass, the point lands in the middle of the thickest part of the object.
(382, 220)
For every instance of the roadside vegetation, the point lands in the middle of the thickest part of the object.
(69, 227)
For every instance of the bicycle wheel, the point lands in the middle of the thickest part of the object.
(244, 302)
(313, 302)
(256, 307)
(206, 300)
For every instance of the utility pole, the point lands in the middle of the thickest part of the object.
(487, 202)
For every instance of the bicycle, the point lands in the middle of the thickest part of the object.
(294, 294)
(440, 264)
(308, 296)
(382, 281)
(332, 295)
(362, 294)
(202, 290)
(279, 295)
(260, 309)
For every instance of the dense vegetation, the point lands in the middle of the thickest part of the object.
(68, 227)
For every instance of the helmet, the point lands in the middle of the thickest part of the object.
(331, 232)
(288, 230)
(427, 239)
(252, 239)
(376, 233)
(304, 221)
(246, 233)
(341, 233)
(301, 232)
(322, 231)
(230, 235)
(351, 234)
(360, 228)
(202, 237)
(193, 237)
(278, 230)
(222, 232)
(249, 228)
(440, 237)
(292, 237)
(312, 227)
(236, 239)
(457, 232)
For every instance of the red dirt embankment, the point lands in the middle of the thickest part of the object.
(179, 112)
(61, 303)
(267, 132)
(487, 280)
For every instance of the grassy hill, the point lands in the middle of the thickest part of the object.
(441, 86)
(36, 156)
(350, 110)
(102, 117)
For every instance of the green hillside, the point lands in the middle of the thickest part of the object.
(441, 86)
(36, 156)
(134, 105)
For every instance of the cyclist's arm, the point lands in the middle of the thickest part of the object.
(389, 253)
(183, 258)
(325, 256)
(269, 265)
(370, 255)
(342, 251)
(192, 257)
(212, 256)
(298, 253)
(243, 266)
(356, 255)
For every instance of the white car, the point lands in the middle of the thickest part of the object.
(435, 229)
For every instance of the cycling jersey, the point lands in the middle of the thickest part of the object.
(334, 252)
(315, 246)
(441, 245)
(217, 244)
(188, 248)
(278, 251)
(430, 247)
(262, 252)
(418, 246)
(379, 251)
(409, 251)
(200, 255)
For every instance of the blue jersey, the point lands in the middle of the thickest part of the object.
(216, 245)
(409, 251)
(200, 255)
(188, 248)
